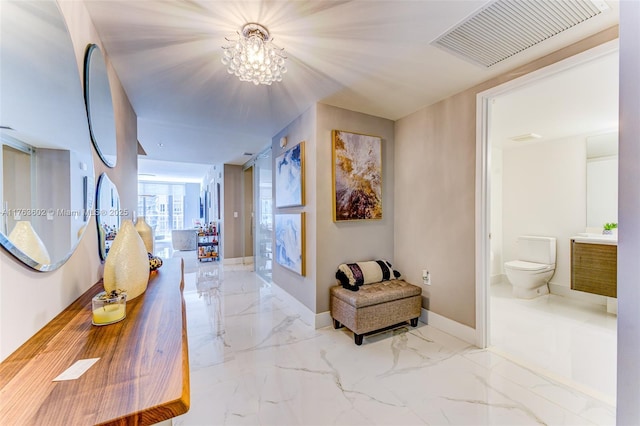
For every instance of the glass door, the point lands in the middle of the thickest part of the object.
(263, 207)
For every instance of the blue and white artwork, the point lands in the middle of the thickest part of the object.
(290, 241)
(290, 177)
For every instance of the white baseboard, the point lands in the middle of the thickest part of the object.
(323, 319)
(461, 331)
(451, 327)
(563, 291)
(237, 260)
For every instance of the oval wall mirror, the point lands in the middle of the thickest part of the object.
(108, 214)
(47, 179)
(97, 94)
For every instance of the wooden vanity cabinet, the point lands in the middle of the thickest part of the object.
(594, 268)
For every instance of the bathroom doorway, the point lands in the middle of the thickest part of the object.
(532, 181)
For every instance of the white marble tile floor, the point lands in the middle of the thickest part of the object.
(570, 340)
(254, 362)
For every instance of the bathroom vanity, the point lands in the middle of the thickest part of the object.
(594, 264)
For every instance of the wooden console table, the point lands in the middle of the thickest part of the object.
(142, 376)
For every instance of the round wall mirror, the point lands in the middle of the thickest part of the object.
(108, 214)
(47, 179)
(97, 93)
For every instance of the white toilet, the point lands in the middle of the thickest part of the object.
(534, 268)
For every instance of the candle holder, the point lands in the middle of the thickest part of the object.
(108, 308)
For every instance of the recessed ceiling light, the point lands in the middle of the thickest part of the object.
(161, 145)
(526, 137)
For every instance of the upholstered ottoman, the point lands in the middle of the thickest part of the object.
(375, 306)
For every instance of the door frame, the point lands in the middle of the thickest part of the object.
(483, 175)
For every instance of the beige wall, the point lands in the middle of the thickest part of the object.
(53, 180)
(435, 204)
(628, 392)
(231, 227)
(214, 177)
(30, 299)
(435, 191)
(301, 129)
(247, 211)
(339, 242)
(16, 183)
(328, 243)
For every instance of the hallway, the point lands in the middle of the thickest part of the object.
(254, 362)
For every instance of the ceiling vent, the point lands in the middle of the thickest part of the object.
(507, 27)
(526, 137)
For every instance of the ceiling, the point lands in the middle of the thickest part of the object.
(580, 100)
(373, 57)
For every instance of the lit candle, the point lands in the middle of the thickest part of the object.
(108, 308)
(109, 313)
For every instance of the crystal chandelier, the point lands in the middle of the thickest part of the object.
(253, 57)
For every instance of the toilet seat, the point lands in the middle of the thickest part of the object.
(521, 265)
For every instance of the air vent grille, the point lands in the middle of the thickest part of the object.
(507, 27)
(526, 137)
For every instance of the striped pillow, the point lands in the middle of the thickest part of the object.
(353, 275)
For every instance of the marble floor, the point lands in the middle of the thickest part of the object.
(254, 362)
(570, 340)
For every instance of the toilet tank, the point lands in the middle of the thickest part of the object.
(537, 249)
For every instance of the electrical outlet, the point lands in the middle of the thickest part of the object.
(426, 277)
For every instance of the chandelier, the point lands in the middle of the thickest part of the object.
(253, 56)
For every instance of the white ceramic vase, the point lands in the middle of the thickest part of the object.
(146, 233)
(127, 264)
(24, 237)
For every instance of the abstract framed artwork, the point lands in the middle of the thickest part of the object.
(290, 241)
(289, 171)
(357, 176)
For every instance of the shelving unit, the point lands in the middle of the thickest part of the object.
(208, 245)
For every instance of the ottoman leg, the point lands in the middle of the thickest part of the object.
(414, 322)
(336, 324)
(358, 338)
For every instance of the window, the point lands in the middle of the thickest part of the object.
(162, 205)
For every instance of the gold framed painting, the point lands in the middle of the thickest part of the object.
(290, 241)
(289, 177)
(357, 176)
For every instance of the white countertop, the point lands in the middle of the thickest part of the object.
(596, 239)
